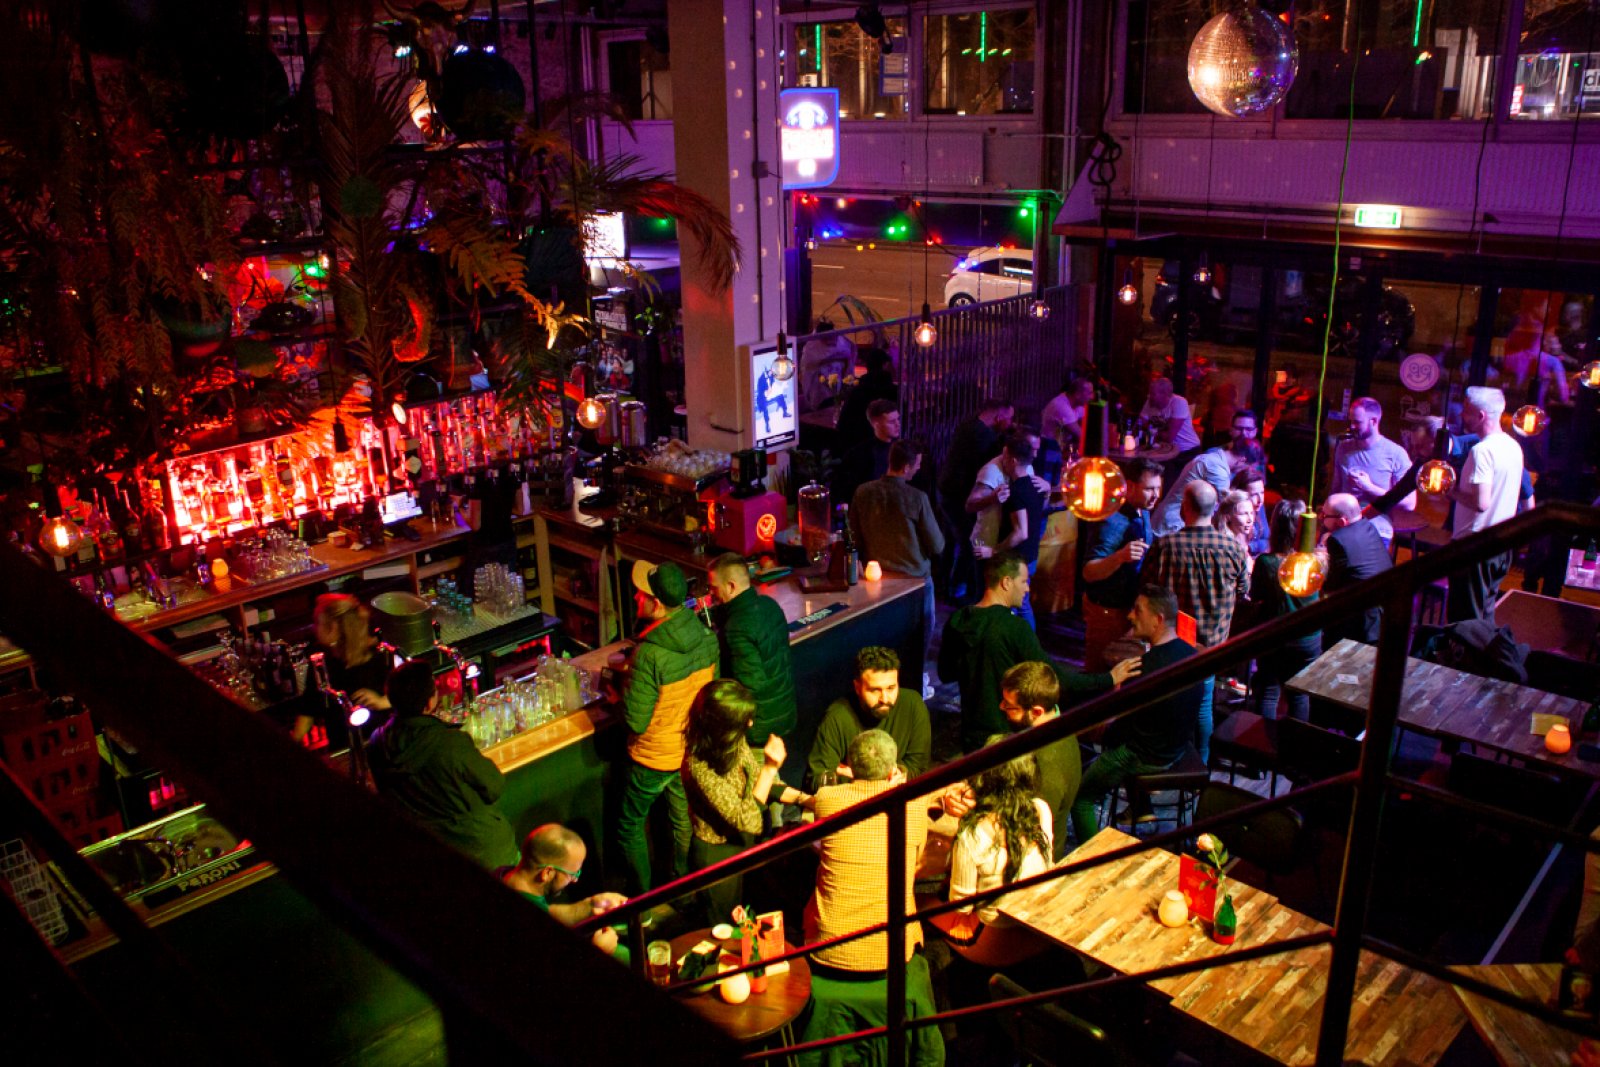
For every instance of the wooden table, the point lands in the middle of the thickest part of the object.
(1159, 453)
(1518, 1040)
(1554, 625)
(764, 1014)
(1272, 1005)
(1445, 702)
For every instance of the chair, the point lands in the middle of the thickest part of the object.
(1309, 753)
(1187, 775)
(843, 1003)
(1050, 1035)
(1273, 840)
(1553, 672)
(1247, 740)
(1510, 788)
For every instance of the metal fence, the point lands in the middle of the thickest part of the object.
(982, 350)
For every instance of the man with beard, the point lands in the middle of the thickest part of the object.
(876, 702)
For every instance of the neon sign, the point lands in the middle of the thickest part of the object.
(767, 527)
(809, 137)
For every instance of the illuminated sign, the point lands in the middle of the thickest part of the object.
(774, 401)
(809, 137)
(1379, 216)
(767, 527)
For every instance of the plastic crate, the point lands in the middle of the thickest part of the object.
(30, 887)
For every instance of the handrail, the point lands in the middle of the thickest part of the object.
(475, 946)
(423, 906)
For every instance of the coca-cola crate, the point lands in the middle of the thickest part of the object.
(96, 830)
(60, 786)
(30, 739)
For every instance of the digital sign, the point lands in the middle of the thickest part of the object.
(774, 401)
(808, 137)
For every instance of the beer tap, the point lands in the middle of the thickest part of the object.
(468, 670)
(355, 714)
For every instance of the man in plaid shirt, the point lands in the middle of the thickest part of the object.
(1209, 571)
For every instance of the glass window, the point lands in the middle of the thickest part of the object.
(1018, 268)
(1558, 61)
(979, 63)
(838, 55)
(641, 79)
(1433, 320)
(1539, 342)
(1418, 60)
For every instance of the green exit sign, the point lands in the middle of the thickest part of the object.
(1378, 216)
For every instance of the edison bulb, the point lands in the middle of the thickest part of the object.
(60, 536)
(1128, 294)
(783, 367)
(1590, 375)
(1530, 420)
(925, 334)
(1202, 274)
(1039, 310)
(591, 412)
(1436, 478)
(1095, 488)
(1302, 573)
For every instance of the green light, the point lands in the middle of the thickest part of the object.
(662, 224)
(1026, 210)
(983, 35)
(314, 270)
(816, 42)
(1416, 27)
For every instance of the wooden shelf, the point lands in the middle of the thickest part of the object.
(575, 547)
(578, 601)
(438, 567)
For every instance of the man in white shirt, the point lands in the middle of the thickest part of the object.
(1485, 494)
(1367, 464)
(990, 492)
(1170, 414)
(1062, 419)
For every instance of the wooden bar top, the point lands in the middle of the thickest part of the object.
(1274, 1004)
(1445, 702)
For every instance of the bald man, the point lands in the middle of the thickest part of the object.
(1356, 552)
(753, 634)
(552, 859)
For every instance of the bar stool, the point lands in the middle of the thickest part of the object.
(1187, 776)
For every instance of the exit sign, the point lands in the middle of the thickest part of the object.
(1378, 216)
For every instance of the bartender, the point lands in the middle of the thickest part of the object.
(490, 503)
(356, 666)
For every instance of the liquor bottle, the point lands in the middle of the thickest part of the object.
(127, 518)
(202, 566)
(153, 529)
(852, 562)
(441, 459)
(105, 532)
(1226, 926)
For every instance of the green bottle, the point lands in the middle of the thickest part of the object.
(1227, 923)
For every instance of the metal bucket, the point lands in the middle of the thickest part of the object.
(405, 621)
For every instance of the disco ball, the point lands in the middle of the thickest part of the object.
(1242, 62)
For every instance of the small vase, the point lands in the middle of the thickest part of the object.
(758, 982)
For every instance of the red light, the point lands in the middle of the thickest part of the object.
(767, 527)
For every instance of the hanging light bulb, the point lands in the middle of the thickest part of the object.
(1094, 486)
(60, 536)
(1202, 271)
(591, 412)
(398, 410)
(1530, 420)
(1589, 377)
(1129, 293)
(925, 334)
(1039, 310)
(783, 363)
(1435, 478)
(1302, 573)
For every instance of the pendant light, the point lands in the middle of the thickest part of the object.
(925, 334)
(1129, 293)
(783, 363)
(591, 412)
(1590, 375)
(1202, 270)
(1094, 486)
(1038, 310)
(1530, 420)
(1436, 477)
(1302, 573)
(59, 535)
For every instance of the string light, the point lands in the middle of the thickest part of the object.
(1530, 420)
(1436, 478)
(1039, 310)
(1094, 486)
(1302, 573)
(1129, 293)
(925, 334)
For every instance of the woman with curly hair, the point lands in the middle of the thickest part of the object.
(728, 784)
(1006, 836)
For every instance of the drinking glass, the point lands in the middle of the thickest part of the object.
(659, 955)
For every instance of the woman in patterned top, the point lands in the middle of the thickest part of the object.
(728, 784)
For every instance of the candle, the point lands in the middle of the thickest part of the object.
(873, 572)
(1174, 910)
(1130, 443)
(1558, 738)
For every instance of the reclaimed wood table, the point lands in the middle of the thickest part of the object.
(1548, 623)
(763, 1014)
(1272, 1005)
(1444, 702)
(1518, 1040)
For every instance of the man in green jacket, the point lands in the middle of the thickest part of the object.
(434, 772)
(675, 657)
(983, 641)
(754, 635)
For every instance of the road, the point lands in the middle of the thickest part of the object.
(888, 279)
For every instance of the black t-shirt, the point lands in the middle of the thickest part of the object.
(1158, 733)
(1025, 497)
(371, 674)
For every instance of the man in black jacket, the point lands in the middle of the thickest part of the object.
(1355, 553)
(754, 635)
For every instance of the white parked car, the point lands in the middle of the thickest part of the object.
(990, 274)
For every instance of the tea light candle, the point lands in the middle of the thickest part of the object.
(1130, 443)
(874, 572)
(1174, 910)
(1558, 738)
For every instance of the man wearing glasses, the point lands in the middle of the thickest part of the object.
(552, 859)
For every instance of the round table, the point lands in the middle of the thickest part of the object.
(763, 1014)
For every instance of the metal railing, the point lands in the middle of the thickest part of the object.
(982, 350)
(484, 955)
